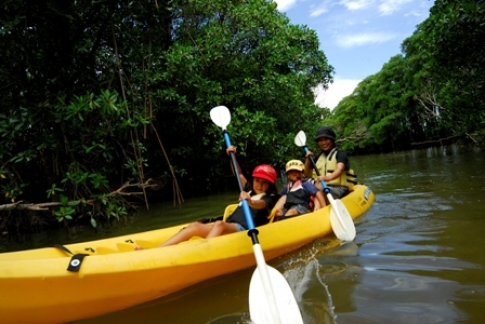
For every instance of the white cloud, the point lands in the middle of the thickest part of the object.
(414, 14)
(385, 7)
(356, 4)
(388, 7)
(363, 39)
(421, 11)
(317, 12)
(336, 92)
(284, 5)
(320, 8)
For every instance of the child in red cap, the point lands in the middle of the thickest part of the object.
(261, 195)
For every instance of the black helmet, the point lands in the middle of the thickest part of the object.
(325, 131)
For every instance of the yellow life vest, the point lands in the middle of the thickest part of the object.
(326, 164)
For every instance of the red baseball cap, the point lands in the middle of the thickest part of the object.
(265, 171)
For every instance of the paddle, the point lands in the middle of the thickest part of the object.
(271, 299)
(340, 219)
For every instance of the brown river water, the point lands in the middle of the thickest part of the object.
(418, 256)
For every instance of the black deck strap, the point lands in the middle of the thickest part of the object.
(75, 263)
(62, 247)
(76, 259)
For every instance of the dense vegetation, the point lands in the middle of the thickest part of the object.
(100, 95)
(431, 93)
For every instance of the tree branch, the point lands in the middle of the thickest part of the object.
(45, 206)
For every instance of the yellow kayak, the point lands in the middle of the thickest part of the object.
(36, 287)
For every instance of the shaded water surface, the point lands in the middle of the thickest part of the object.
(417, 257)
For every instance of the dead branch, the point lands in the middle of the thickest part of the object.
(359, 133)
(440, 140)
(45, 206)
(470, 135)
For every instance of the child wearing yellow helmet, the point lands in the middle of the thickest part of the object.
(297, 196)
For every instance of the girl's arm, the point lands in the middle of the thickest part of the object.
(243, 179)
(279, 205)
(257, 204)
(254, 204)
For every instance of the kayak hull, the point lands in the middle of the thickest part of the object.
(35, 286)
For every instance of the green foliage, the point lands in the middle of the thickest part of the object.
(52, 191)
(85, 84)
(381, 114)
(245, 56)
(433, 92)
(447, 51)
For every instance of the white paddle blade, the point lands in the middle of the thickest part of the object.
(341, 221)
(300, 139)
(259, 305)
(221, 116)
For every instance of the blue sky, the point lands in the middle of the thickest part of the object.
(357, 36)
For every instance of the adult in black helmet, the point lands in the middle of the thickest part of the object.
(331, 162)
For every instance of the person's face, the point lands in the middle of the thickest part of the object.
(293, 175)
(260, 185)
(325, 143)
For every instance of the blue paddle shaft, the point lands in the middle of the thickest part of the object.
(325, 188)
(245, 205)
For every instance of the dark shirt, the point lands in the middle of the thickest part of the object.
(300, 195)
(260, 217)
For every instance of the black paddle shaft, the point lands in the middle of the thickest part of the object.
(325, 188)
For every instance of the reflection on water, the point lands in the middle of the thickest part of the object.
(412, 261)
(417, 257)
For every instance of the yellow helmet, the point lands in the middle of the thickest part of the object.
(295, 165)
